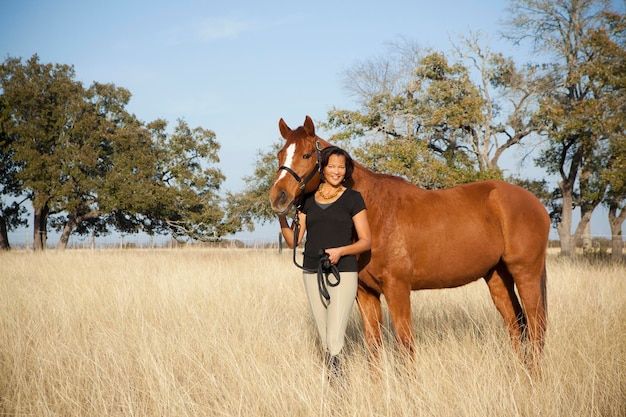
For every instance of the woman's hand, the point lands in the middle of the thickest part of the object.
(334, 254)
(288, 232)
(363, 243)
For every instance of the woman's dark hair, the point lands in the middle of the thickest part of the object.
(335, 150)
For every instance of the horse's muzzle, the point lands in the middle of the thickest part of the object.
(280, 201)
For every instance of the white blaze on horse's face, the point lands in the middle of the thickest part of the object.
(290, 152)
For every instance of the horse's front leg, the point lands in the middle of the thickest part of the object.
(372, 316)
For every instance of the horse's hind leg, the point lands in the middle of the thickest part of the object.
(531, 286)
(530, 281)
(502, 289)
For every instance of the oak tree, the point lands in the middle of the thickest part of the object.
(90, 166)
(570, 110)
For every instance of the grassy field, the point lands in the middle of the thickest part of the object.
(227, 332)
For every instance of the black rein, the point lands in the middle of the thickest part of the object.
(302, 184)
(324, 270)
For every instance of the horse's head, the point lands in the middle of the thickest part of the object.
(298, 162)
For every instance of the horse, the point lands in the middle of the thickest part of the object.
(431, 239)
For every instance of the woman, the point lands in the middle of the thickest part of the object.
(329, 217)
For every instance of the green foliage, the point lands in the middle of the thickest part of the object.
(608, 69)
(585, 114)
(429, 126)
(43, 101)
(11, 212)
(252, 203)
(93, 166)
(538, 187)
(449, 102)
(188, 203)
(413, 160)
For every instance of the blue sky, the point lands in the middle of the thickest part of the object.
(234, 67)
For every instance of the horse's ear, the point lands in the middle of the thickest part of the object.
(284, 129)
(309, 128)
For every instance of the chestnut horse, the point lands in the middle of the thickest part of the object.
(425, 239)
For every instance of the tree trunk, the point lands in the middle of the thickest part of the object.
(586, 238)
(73, 220)
(616, 222)
(617, 244)
(4, 235)
(40, 232)
(66, 233)
(583, 232)
(565, 226)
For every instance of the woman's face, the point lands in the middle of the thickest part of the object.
(335, 171)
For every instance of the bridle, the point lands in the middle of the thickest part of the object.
(302, 185)
(303, 182)
(323, 275)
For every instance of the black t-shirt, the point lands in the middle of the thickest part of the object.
(331, 227)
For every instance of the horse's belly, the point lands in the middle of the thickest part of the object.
(429, 270)
(453, 266)
(440, 249)
(445, 278)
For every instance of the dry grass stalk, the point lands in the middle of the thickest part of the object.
(227, 332)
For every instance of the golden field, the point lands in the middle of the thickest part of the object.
(227, 332)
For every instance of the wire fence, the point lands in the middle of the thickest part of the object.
(137, 241)
(25, 241)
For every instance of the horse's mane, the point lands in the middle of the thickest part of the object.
(379, 176)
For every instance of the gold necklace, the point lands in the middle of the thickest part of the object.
(326, 196)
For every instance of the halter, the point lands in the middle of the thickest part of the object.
(323, 274)
(303, 182)
(302, 185)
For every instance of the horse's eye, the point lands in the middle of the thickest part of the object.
(306, 155)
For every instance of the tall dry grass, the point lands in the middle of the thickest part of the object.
(227, 332)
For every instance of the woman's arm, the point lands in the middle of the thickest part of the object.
(288, 232)
(363, 243)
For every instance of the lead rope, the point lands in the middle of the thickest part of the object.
(323, 272)
(322, 282)
(303, 183)
(296, 234)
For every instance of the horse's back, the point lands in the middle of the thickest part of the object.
(481, 209)
(450, 237)
(508, 217)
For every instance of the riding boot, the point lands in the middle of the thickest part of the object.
(334, 367)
